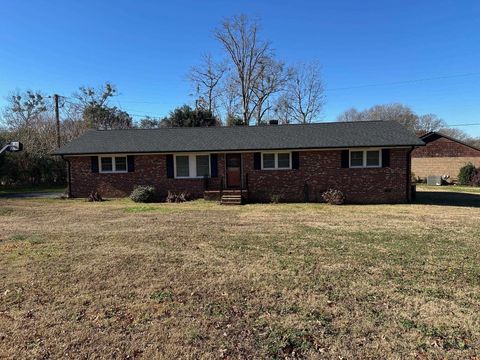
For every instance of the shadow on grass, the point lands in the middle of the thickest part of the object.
(447, 198)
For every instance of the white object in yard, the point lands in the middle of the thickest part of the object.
(13, 146)
(434, 180)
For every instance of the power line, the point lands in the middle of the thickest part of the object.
(405, 81)
(472, 124)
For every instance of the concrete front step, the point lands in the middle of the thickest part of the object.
(216, 195)
(231, 200)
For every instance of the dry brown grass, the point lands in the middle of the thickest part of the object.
(198, 280)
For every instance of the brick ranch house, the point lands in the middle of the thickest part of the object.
(442, 155)
(368, 161)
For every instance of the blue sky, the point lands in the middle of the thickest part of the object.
(147, 47)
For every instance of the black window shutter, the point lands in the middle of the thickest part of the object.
(213, 165)
(345, 159)
(257, 161)
(170, 172)
(94, 163)
(295, 160)
(131, 163)
(385, 157)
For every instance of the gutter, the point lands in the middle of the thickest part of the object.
(69, 176)
(240, 150)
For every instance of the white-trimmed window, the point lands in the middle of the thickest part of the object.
(276, 160)
(110, 164)
(192, 166)
(365, 158)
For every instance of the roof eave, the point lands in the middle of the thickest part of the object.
(235, 150)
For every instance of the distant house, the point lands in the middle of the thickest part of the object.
(442, 155)
(368, 161)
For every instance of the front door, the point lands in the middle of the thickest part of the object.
(234, 171)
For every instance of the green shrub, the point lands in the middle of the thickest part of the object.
(466, 174)
(143, 194)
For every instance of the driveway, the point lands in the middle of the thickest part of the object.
(39, 194)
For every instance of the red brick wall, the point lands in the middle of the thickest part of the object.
(149, 170)
(443, 147)
(319, 170)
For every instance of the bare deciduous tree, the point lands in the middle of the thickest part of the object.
(23, 108)
(230, 98)
(305, 93)
(351, 114)
(89, 96)
(396, 112)
(247, 53)
(271, 80)
(429, 122)
(206, 79)
(282, 109)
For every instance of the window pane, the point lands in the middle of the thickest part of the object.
(268, 161)
(106, 163)
(121, 163)
(203, 167)
(284, 160)
(356, 158)
(373, 158)
(183, 168)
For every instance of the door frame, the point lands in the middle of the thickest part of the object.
(241, 170)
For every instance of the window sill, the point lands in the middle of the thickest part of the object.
(269, 169)
(365, 167)
(113, 172)
(191, 177)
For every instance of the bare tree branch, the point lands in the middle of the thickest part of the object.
(239, 37)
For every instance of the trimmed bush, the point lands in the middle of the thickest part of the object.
(183, 196)
(94, 196)
(333, 197)
(143, 194)
(466, 174)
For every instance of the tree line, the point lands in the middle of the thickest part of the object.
(246, 85)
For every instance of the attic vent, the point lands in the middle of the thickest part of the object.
(273, 122)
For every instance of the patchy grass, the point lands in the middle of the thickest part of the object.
(199, 280)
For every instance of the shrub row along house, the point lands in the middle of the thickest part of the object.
(442, 155)
(368, 161)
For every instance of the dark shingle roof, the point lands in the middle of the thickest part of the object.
(434, 135)
(269, 137)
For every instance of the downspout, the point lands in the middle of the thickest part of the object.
(69, 177)
(409, 174)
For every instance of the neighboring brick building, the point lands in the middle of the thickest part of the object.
(368, 161)
(442, 155)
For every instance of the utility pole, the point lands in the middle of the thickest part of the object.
(57, 118)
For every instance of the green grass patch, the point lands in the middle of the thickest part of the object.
(150, 208)
(32, 239)
(162, 295)
(4, 211)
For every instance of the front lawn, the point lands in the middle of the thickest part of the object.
(200, 280)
